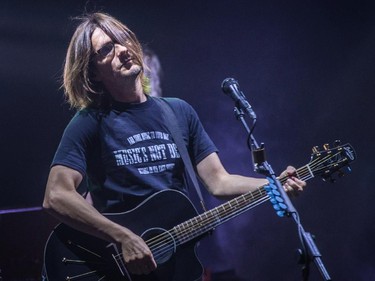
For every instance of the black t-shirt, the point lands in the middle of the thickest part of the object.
(128, 151)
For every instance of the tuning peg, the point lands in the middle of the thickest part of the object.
(315, 149)
(337, 143)
(326, 146)
(345, 171)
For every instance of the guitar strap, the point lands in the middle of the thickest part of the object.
(171, 121)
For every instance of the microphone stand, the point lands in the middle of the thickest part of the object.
(309, 250)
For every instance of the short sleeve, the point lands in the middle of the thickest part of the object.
(77, 141)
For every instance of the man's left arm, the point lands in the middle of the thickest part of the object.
(222, 184)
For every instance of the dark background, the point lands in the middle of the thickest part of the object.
(307, 68)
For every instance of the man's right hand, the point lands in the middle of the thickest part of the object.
(137, 255)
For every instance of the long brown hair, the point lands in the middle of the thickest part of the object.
(81, 90)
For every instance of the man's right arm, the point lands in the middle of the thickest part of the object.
(64, 202)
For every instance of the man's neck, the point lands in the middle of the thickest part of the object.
(130, 93)
(130, 97)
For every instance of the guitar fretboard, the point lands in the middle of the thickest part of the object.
(207, 221)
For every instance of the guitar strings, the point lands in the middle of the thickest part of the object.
(263, 197)
(159, 240)
(193, 227)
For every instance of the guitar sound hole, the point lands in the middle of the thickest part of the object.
(161, 243)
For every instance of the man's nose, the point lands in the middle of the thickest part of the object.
(121, 50)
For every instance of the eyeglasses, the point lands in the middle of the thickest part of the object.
(106, 50)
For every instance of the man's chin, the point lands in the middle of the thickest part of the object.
(133, 70)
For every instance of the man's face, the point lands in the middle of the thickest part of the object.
(114, 63)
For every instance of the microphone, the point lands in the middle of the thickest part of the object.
(231, 88)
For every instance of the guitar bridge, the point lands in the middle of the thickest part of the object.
(119, 261)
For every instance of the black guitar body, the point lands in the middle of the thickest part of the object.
(73, 255)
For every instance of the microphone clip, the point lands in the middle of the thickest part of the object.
(259, 158)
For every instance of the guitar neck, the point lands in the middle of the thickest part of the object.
(208, 220)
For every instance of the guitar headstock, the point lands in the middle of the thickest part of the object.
(329, 161)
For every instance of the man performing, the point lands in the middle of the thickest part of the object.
(119, 141)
